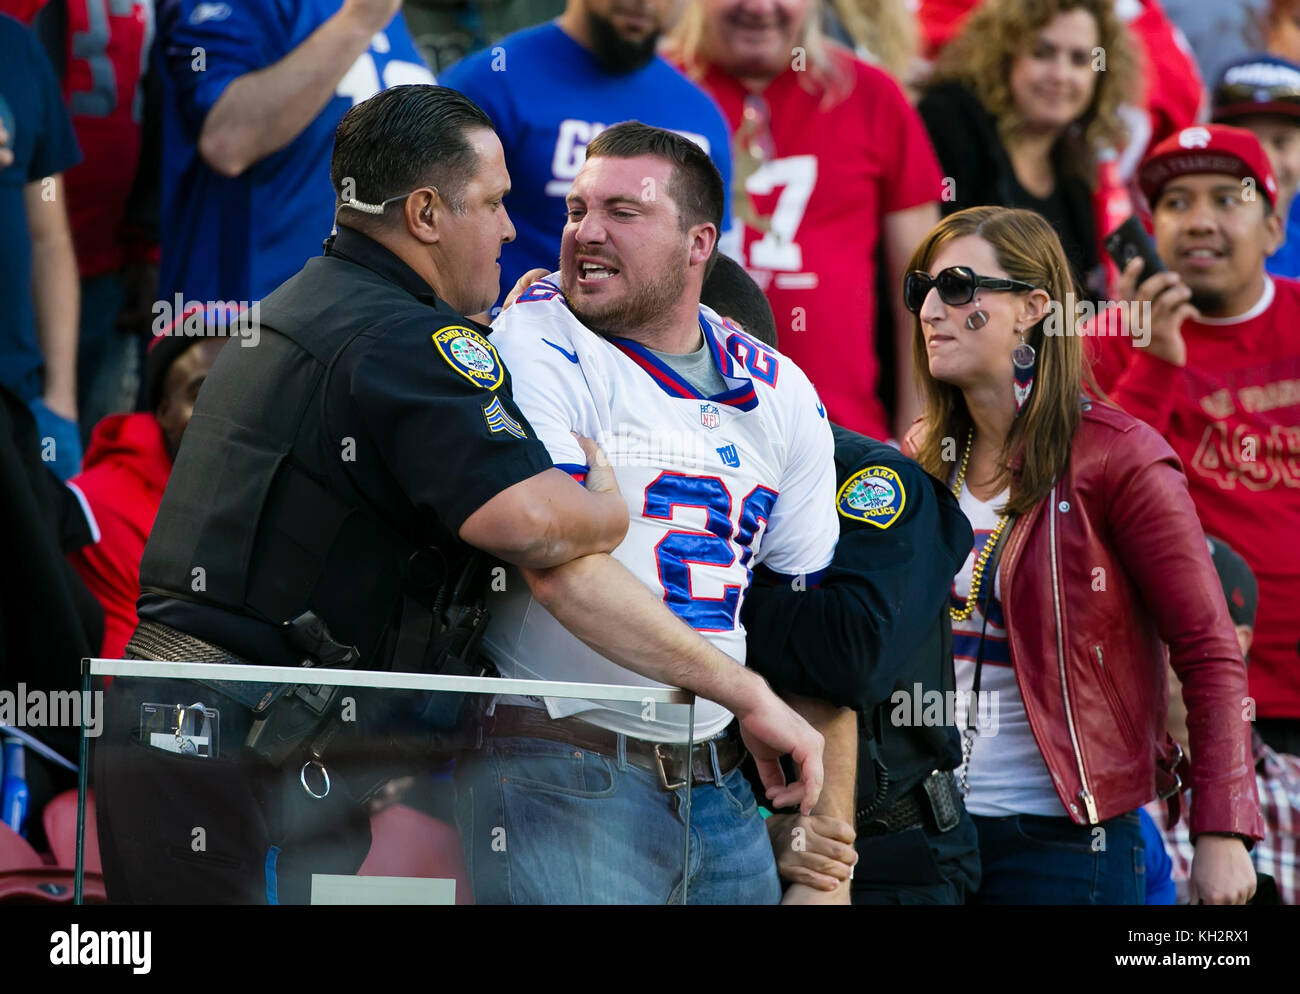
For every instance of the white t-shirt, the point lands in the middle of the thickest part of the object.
(714, 486)
(1007, 774)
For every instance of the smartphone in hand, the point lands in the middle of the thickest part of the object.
(1130, 240)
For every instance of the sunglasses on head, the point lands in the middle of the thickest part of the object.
(956, 284)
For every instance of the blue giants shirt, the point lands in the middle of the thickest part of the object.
(43, 144)
(240, 238)
(548, 97)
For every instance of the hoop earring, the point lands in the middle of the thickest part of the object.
(1024, 359)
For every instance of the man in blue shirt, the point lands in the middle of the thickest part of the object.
(38, 267)
(252, 93)
(550, 89)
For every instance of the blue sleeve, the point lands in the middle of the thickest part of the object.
(56, 148)
(1160, 884)
(206, 46)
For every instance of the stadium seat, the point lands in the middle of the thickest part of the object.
(409, 843)
(60, 820)
(25, 879)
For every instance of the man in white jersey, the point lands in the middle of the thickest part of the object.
(723, 453)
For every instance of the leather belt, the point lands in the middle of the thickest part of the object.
(661, 758)
(916, 808)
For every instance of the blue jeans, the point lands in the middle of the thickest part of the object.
(544, 822)
(1032, 859)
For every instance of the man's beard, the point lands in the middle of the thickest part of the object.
(638, 311)
(616, 53)
(1208, 302)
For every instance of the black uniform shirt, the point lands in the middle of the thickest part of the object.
(879, 619)
(417, 421)
(428, 399)
(849, 640)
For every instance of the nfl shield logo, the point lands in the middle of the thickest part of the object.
(710, 416)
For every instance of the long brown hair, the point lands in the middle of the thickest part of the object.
(999, 31)
(1027, 249)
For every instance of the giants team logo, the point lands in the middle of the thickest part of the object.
(874, 495)
(710, 416)
(471, 355)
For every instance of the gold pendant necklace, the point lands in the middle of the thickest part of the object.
(977, 571)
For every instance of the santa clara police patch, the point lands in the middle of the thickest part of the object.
(471, 355)
(874, 495)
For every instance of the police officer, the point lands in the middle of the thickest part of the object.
(344, 456)
(876, 626)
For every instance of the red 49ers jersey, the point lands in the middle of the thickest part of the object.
(108, 46)
(1233, 416)
(817, 205)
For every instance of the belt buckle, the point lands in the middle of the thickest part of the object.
(663, 774)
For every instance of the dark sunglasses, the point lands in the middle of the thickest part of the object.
(957, 285)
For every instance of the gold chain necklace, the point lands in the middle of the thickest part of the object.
(977, 572)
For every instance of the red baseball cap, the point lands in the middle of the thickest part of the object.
(1207, 148)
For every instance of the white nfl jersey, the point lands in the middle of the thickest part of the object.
(714, 486)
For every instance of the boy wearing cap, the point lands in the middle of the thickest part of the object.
(1220, 378)
(1261, 93)
(127, 466)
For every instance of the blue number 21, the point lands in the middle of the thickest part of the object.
(678, 551)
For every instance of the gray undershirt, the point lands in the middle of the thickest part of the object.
(696, 368)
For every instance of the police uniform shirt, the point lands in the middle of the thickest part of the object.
(902, 537)
(418, 419)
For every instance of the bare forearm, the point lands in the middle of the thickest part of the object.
(603, 604)
(839, 727)
(261, 112)
(55, 295)
(584, 524)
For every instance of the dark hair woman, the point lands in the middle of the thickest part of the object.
(1088, 556)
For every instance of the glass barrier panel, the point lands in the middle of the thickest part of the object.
(215, 784)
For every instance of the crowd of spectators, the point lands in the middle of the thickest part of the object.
(165, 163)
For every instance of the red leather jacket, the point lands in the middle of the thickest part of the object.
(1101, 575)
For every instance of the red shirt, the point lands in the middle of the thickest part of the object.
(832, 176)
(1233, 416)
(107, 45)
(123, 477)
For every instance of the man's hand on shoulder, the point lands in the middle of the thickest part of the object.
(522, 284)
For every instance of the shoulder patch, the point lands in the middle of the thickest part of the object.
(471, 355)
(874, 495)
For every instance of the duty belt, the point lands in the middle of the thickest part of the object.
(934, 803)
(661, 758)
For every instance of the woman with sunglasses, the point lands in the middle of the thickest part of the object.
(1088, 555)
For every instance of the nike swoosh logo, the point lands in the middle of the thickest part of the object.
(571, 356)
(821, 411)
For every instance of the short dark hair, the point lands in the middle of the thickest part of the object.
(695, 185)
(404, 138)
(732, 292)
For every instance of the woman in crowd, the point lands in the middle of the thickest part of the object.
(1020, 104)
(1088, 555)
